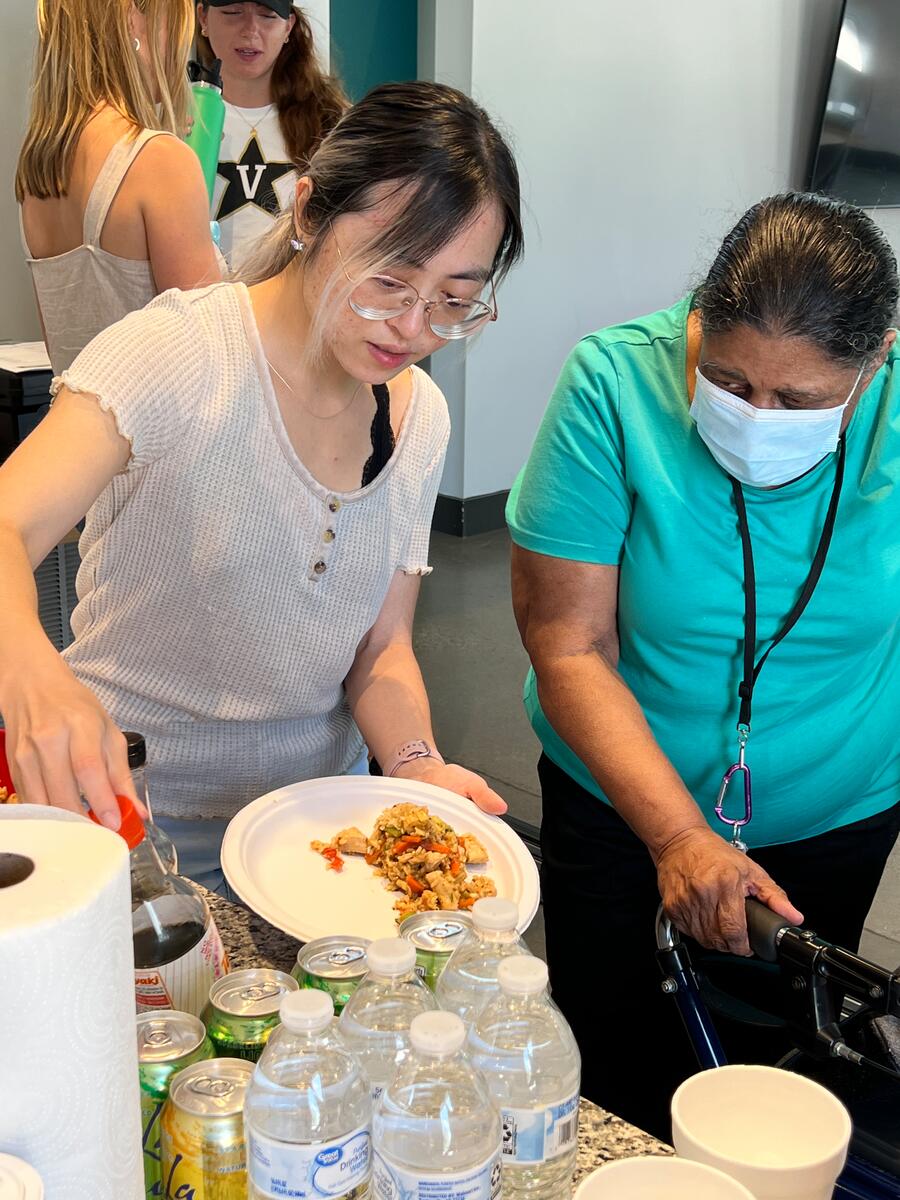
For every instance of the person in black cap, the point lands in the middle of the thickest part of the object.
(279, 105)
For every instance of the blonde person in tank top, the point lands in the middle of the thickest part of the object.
(259, 466)
(112, 210)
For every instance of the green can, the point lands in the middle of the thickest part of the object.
(243, 1010)
(167, 1041)
(435, 936)
(333, 964)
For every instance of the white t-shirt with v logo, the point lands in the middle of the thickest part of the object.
(255, 179)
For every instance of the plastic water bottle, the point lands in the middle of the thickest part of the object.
(376, 1019)
(469, 980)
(436, 1130)
(308, 1113)
(525, 1049)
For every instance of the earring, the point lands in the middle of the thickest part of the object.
(203, 33)
(137, 44)
(297, 246)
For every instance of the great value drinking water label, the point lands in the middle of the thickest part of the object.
(282, 1169)
(535, 1135)
(390, 1181)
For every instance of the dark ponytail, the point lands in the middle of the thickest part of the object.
(310, 103)
(806, 266)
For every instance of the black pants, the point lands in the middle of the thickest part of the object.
(600, 899)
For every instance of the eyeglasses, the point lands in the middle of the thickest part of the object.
(381, 298)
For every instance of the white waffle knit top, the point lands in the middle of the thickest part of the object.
(223, 591)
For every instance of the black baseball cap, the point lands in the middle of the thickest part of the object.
(282, 7)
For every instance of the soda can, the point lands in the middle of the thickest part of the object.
(333, 964)
(243, 1011)
(167, 1042)
(202, 1132)
(435, 936)
(18, 1180)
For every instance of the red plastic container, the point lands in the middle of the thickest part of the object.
(5, 777)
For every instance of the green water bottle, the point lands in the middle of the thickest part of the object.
(205, 137)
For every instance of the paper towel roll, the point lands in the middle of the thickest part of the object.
(69, 1098)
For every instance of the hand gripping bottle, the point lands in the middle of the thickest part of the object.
(525, 1050)
(308, 1113)
(436, 1131)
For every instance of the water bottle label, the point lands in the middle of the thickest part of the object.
(377, 1089)
(283, 1169)
(536, 1135)
(184, 983)
(390, 1181)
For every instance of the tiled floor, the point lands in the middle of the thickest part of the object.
(474, 666)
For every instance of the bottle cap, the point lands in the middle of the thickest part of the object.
(391, 956)
(306, 1011)
(495, 914)
(523, 975)
(137, 749)
(437, 1033)
(131, 827)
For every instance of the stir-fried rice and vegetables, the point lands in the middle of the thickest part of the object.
(419, 855)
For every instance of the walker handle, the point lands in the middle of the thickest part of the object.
(763, 930)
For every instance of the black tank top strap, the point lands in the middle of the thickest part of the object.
(382, 435)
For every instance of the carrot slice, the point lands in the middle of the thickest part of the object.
(414, 885)
(455, 867)
(467, 902)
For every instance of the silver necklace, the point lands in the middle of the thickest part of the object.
(252, 127)
(318, 416)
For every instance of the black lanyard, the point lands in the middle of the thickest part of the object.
(751, 670)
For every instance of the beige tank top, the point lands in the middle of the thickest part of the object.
(86, 289)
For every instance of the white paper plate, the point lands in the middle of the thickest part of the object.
(267, 858)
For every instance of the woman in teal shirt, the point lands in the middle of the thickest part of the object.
(708, 482)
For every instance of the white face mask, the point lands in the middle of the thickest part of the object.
(764, 447)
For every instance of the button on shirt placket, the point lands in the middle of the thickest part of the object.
(324, 551)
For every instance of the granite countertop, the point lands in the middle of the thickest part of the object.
(253, 942)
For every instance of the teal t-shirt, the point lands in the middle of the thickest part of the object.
(619, 475)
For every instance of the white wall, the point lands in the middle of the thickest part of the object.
(642, 131)
(18, 315)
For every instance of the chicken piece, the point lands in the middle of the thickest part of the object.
(473, 850)
(351, 841)
(480, 886)
(444, 888)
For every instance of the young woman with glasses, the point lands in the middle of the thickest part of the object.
(259, 466)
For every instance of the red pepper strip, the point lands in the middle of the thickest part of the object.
(406, 843)
(414, 885)
(335, 862)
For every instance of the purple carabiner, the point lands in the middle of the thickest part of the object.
(748, 795)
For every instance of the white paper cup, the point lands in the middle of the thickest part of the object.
(783, 1136)
(659, 1179)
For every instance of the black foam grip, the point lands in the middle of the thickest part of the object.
(763, 927)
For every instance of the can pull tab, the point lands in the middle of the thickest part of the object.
(212, 1087)
(158, 1037)
(260, 991)
(350, 954)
